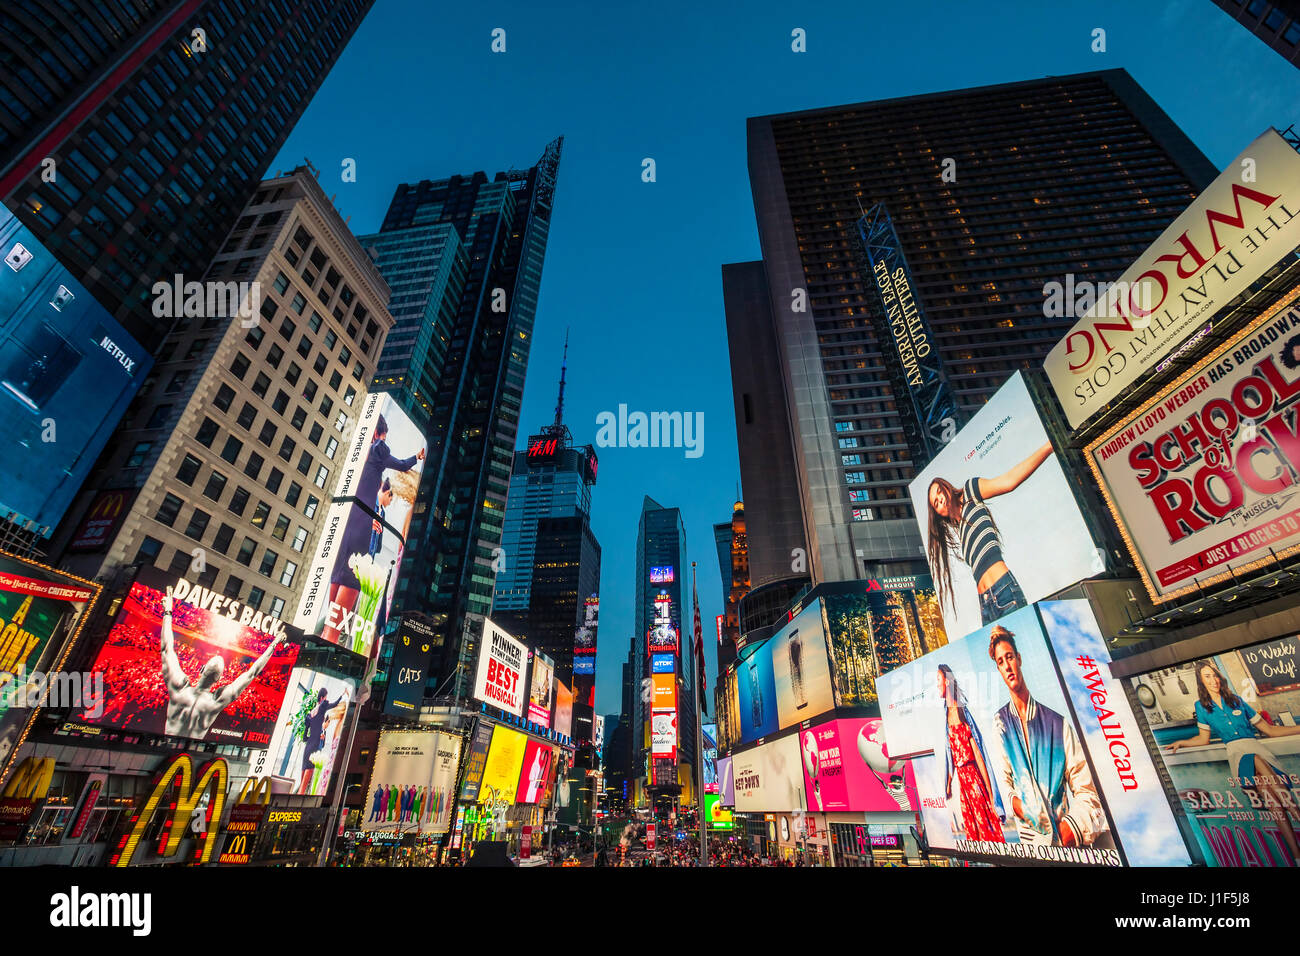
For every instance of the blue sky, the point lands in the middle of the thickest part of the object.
(633, 268)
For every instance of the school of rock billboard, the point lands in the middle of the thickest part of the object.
(353, 575)
(1025, 748)
(210, 669)
(1203, 480)
(1228, 728)
(1225, 240)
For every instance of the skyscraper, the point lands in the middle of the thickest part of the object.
(993, 192)
(663, 626)
(1277, 24)
(464, 256)
(159, 119)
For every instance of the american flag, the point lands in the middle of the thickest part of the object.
(699, 647)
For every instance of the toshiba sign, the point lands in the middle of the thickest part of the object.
(1241, 225)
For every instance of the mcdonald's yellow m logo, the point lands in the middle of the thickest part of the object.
(253, 787)
(30, 779)
(236, 850)
(180, 771)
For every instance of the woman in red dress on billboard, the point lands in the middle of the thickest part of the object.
(981, 805)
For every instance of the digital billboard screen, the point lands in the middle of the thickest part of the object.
(1020, 758)
(504, 760)
(208, 669)
(769, 778)
(412, 648)
(982, 506)
(663, 634)
(717, 817)
(476, 761)
(663, 734)
(501, 666)
(68, 371)
(541, 691)
(662, 575)
(1228, 729)
(308, 732)
(535, 774)
(412, 782)
(847, 767)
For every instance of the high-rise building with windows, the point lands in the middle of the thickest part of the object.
(663, 620)
(1277, 24)
(129, 143)
(464, 257)
(993, 193)
(230, 453)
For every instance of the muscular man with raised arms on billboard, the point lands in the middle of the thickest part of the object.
(193, 709)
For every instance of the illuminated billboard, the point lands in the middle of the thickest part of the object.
(584, 638)
(476, 761)
(500, 677)
(1227, 735)
(541, 690)
(308, 732)
(1202, 479)
(662, 575)
(663, 691)
(1026, 747)
(504, 760)
(769, 778)
(717, 817)
(563, 709)
(982, 505)
(663, 664)
(196, 665)
(847, 766)
(663, 634)
(354, 572)
(412, 648)
(709, 758)
(67, 373)
(535, 773)
(39, 609)
(1234, 232)
(412, 782)
(663, 734)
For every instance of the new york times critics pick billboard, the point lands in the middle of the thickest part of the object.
(353, 574)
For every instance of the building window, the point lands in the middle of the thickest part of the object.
(255, 598)
(848, 443)
(851, 459)
(286, 576)
(858, 496)
(247, 415)
(286, 448)
(331, 446)
(221, 543)
(350, 397)
(215, 487)
(260, 514)
(299, 417)
(225, 395)
(299, 539)
(189, 470)
(267, 435)
(138, 454)
(269, 558)
(855, 477)
(246, 552)
(150, 548)
(261, 385)
(322, 476)
(240, 366)
(862, 514)
(281, 402)
(277, 607)
(310, 508)
(281, 528)
(292, 495)
(846, 426)
(233, 586)
(274, 479)
(159, 416)
(341, 423)
(293, 374)
(198, 525)
(207, 433)
(168, 510)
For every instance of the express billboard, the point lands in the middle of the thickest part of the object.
(1230, 236)
(982, 506)
(304, 746)
(847, 767)
(68, 370)
(205, 668)
(1027, 749)
(1228, 727)
(1202, 480)
(500, 677)
(413, 781)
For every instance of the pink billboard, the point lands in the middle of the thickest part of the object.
(846, 766)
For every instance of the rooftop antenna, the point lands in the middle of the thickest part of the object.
(564, 364)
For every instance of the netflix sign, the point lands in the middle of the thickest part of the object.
(1205, 479)
(1244, 222)
(501, 664)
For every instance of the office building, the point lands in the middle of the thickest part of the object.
(1277, 24)
(993, 193)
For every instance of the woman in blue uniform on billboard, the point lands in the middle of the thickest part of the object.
(363, 530)
(1221, 713)
(960, 522)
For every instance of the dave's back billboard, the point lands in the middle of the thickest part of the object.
(183, 661)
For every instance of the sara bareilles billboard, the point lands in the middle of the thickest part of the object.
(1203, 479)
(353, 574)
(501, 664)
(194, 664)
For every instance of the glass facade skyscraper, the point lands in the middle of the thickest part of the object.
(157, 143)
(464, 258)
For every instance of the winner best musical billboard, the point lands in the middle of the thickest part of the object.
(354, 572)
(1025, 748)
(1203, 479)
(208, 669)
(997, 516)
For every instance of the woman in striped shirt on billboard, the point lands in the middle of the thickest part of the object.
(960, 521)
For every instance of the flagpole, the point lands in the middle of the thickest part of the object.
(699, 725)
